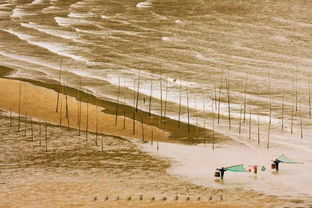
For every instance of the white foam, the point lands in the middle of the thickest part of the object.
(144, 4)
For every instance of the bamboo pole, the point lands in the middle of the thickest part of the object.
(138, 92)
(142, 126)
(301, 121)
(102, 144)
(245, 98)
(219, 100)
(204, 109)
(31, 129)
(19, 106)
(46, 137)
(161, 96)
(188, 111)
(59, 90)
(96, 122)
(180, 100)
(87, 122)
(150, 99)
(117, 105)
(79, 109)
(229, 101)
(296, 90)
(10, 116)
(25, 129)
(152, 131)
(249, 132)
(40, 133)
(270, 119)
(124, 109)
(309, 96)
(61, 109)
(166, 100)
(258, 130)
(240, 119)
(196, 119)
(283, 108)
(133, 124)
(292, 112)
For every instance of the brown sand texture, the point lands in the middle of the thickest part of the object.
(40, 103)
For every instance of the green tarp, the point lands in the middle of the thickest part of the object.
(236, 168)
(284, 159)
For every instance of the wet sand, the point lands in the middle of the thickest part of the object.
(74, 172)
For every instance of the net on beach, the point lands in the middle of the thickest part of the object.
(236, 168)
(284, 159)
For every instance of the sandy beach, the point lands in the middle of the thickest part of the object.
(74, 172)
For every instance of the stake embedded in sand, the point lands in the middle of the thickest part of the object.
(10, 116)
(219, 99)
(166, 100)
(59, 90)
(283, 108)
(79, 109)
(270, 118)
(31, 129)
(258, 130)
(301, 120)
(117, 104)
(19, 105)
(161, 96)
(229, 101)
(150, 100)
(309, 96)
(96, 122)
(249, 132)
(138, 92)
(133, 123)
(25, 122)
(196, 119)
(87, 122)
(142, 125)
(245, 97)
(46, 136)
(180, 100)
(188, 111)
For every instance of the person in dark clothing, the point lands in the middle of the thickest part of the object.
(276, 162)
(221, 170)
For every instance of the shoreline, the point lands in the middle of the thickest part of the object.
(109, 108)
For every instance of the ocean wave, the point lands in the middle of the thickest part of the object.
(144, 4)
(52, 31)
(68, 22)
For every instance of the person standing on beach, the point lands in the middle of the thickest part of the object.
(221, 170)
(255, 167)
(276, 162)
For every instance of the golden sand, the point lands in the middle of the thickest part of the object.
(40, 103)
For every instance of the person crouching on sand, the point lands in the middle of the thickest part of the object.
(221, 170)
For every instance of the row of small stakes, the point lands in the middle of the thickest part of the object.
(176, 198)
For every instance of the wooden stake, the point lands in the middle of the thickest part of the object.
(229, 101)
(152, 131)
(292, 113)
(249, 132)
(138, 92)
(150, 100)
(87, 123)
(283, 108)
(219, 100)
(61, 109)
(142, 125)
(10, 116)
(19, 106)
(39, 133)
(296, 91)
(25, 129)
(166, 100)
(245, 98)
(79, 109)
(31, 129)
(196, 118)
(258, 130)
(188, 111)
(240, 119)
(59, 90)
(270, 119)
(180, 100)
(309, 96)
(161, 96)
(96, 123)
(46, 137)
(301, 121)
(117, 105)
(102, 144)
(133, 124)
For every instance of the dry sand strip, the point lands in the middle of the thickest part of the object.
(77, 173)
(40, 103)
